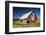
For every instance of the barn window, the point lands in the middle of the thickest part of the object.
(27, 21)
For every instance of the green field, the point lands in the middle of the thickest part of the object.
(23, 23)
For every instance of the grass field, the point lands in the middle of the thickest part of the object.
(23, 23)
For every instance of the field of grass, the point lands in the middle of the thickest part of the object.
(23, 23)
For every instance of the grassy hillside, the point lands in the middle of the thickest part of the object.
(23, 23)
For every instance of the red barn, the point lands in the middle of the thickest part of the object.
(32, 17)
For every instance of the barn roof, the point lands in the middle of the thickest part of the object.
(26, 15)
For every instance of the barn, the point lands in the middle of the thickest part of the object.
(29, 17)
(32, 17)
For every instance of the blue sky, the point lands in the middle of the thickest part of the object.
(19, 11)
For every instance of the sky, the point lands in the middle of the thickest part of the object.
(19, 11)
